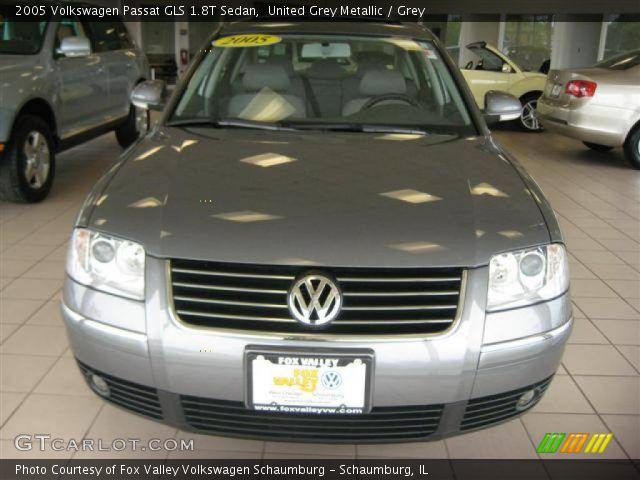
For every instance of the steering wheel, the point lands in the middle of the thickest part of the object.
(391, 96)
(469, 65)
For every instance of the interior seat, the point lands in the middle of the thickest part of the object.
(325, 80)
(374, 84)
(266, 95)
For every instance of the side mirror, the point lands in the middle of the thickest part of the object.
(149, 95)
(501, 107)
(506, 68)
(74, 47)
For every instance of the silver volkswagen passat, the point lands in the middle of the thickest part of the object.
(319, 241)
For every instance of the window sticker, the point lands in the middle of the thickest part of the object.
(247, 40)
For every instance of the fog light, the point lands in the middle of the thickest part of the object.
(526, 400)
(100, 385)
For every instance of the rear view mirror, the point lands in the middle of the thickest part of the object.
(326, 50)
(73, 47)
(506, 68)
(149, 95)
(501, 107)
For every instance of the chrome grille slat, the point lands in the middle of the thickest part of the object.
(228, 302)
(400, 307)
(228, 289)
(239, 317)
(233, 274)
(375, 300)
(415, 279)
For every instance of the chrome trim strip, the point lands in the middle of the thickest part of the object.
(401, 307)
(234, 317)
(227, 289)
(399, 294)
(212, 273)
(404, 279)
(228, 302)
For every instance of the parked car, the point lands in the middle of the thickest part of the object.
(64, 81)
(489, 69)
(270, 263)
(598, 105)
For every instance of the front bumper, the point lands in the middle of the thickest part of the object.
(588, 123)
(424, 387)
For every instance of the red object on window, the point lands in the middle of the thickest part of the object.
(581, 88)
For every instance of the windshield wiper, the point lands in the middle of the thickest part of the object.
(356, 127)
(228, 123)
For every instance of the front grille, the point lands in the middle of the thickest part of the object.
(382, 424)
(132, 396)
(484, 411)
(375, 300)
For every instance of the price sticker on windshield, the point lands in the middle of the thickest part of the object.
(247, 40)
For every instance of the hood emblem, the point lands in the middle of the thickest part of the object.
(314, 299)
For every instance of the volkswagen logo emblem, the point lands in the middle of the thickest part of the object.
(331, 380)
(314, 299)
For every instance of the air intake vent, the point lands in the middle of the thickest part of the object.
(129, 395)
(382, 424)
(484, 411)
(375, 300)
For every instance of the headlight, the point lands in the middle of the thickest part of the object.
(107, 263)
(527, 276)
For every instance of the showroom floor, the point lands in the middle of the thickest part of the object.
(597, 390)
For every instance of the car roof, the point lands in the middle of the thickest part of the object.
(373, 28)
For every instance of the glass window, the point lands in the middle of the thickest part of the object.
(19, 37)
(484, 59)
(124, 36)
(106, 35)
(623, 61)
(623, 34)
(327, 82)
(527, 40)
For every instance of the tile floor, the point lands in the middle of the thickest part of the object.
(596, 196)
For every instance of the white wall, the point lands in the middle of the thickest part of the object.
(575, 44)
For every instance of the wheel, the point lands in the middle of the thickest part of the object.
(136, 124)
(597, 147)
(528, 120)
(632, 148)
(28, 166)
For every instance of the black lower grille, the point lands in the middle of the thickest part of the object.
(484, 411)
(382, 424)
(132, 396)
(374, 300)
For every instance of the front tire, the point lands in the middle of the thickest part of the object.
(528, 120)
(632, 148)
(28, 166)
(596, 147)
(136, 124)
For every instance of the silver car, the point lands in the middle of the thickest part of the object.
(598, 105)
(313, 248)
(63, 81)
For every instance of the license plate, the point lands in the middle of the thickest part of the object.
(556, 90)
(309, 382)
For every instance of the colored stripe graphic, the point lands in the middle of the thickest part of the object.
(598, 443)
(550, 443)
(574, 442)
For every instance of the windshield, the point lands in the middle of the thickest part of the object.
(19, 38)
(623, 61)
(324, 82)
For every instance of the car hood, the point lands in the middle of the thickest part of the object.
(318, 198)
